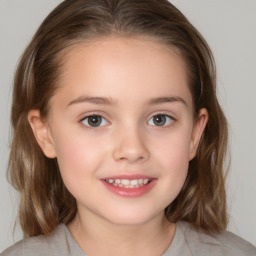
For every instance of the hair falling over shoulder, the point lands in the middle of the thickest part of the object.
(45, 202)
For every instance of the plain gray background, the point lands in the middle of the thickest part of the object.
(229, 26)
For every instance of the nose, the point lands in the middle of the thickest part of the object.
(131, 146)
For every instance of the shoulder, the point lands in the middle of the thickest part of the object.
(40, 245)
(225, 243)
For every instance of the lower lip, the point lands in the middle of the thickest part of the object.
(130, 192)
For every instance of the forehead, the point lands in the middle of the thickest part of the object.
(122, 66)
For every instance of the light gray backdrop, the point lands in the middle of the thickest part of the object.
(230, 28)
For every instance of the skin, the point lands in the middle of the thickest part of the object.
(129, 73)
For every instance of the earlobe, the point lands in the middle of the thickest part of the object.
(42, 133)
(198, 130)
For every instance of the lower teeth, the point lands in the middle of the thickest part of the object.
(122, 186)
(128, 186)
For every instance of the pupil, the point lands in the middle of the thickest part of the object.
(159, 120)
(94, 121)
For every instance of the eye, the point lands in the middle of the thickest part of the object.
(94, 121)
(160, 120)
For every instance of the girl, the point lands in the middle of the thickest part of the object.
(118, 137)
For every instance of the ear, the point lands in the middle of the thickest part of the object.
(198, 129)
(42, 133)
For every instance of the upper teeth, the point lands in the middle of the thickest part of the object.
(128, 183)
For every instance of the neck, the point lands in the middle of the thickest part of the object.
(97, 236)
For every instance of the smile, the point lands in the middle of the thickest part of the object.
(129, 186)
(125, 183)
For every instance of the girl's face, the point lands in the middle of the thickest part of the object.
(121, 126)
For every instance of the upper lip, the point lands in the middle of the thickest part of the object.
(129, 177)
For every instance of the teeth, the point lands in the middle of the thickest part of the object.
(145, 181)
(125, 182)
(134, 182)
(128, 183)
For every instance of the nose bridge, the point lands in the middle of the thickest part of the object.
(131, 144)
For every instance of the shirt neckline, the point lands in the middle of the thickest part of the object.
(174, 248)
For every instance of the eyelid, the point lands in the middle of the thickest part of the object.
(81, 120)
(92, 113)
(162, 114)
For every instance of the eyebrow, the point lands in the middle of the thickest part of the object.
(160, 100)
(94, 100)
(111, 101)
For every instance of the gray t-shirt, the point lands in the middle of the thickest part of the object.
(186, 242)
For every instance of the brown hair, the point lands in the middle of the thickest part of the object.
(45, 201)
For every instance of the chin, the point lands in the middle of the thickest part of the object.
(131, 218)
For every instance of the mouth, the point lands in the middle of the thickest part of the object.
(130, 186)
(126, 183)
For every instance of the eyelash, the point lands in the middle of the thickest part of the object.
(171, 119)
(92, 116)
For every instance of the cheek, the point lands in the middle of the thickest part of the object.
(78, 158)
(172, 156)
(173, 149)
(174, 163)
